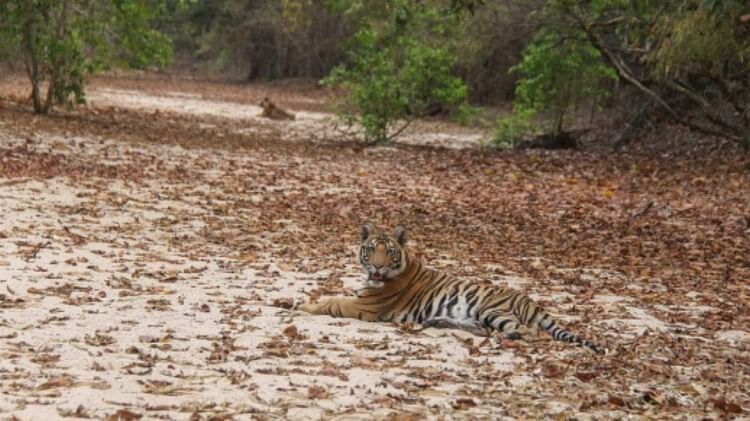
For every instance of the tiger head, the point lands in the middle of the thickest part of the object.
(266, 103)
(382, 256)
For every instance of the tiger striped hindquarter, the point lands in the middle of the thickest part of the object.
(404, 290)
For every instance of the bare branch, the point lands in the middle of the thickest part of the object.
(402, 128)
(624, 72)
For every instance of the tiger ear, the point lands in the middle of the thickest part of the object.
(401, 234)
(366, 230)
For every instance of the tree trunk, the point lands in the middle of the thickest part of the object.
(36, 98)
(59, 65)
(32, 64)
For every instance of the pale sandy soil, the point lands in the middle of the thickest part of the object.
(316, 125)
(161, 299)
(109, 303)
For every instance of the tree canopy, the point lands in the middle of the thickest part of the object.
(61, 42)
(688, 60)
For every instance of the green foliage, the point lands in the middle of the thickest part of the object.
(467, 114)
(271, 39)
(399, 69)
(138, 44)
(690, 57)
(558, 73)
(723, 6)
(512, 129)
(699, 41)
(62, 42)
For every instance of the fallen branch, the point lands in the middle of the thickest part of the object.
(624, 73)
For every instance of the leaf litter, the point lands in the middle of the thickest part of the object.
(151, 264)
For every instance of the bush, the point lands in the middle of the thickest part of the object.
(398, 73)
(512, 130)
(490, 42)
(690, 57)
(558, 73)
(62, 42)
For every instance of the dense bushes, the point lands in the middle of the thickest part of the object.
(61, 42)
(688, 57)
(269, 39)
(558, 75)
(399, 69)
(490, 42)
(266, 39)
(400, 59)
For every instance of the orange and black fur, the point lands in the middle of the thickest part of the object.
(274, 112)
(401, 289)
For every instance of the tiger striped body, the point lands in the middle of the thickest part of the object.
(403, 290)
(273, 111)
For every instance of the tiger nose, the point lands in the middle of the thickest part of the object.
(378, 265)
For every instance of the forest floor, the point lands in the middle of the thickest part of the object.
(152, 243)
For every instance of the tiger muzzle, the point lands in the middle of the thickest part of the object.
(376, 276)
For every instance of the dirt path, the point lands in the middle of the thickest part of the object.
(149, 247)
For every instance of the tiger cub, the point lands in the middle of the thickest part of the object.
(401, 289)
(272, 111)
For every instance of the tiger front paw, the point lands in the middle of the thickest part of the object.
(308, 308)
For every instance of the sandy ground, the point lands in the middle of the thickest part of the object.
(308, 124)
(131, 312)
(156, 297)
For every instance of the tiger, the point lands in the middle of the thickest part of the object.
(274, 112)
(399, 288)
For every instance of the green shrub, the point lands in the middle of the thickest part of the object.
(398, 72)
(61, 42)
(690, 58)
(513, 129)
(557, 74)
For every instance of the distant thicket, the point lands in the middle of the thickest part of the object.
(688, 60)
(273, 39)
(263, 39)
(60, 43)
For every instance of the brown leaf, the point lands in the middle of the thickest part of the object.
(585, 376)
(99, 340)
(55, 382)
(463, 403)
(292, 333)
(79, 412)
(550, 370)
(47, 360)
(317, 392)
(124, 415)
(726, 406)
(286, 303)
(616, 401)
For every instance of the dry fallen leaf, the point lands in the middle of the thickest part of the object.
(99, 339)
(286, 303)
(57, 382)
(726, 406)
(292, 333)
(463, 403)
(124, 415)
(585, 376)
(317, 392)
